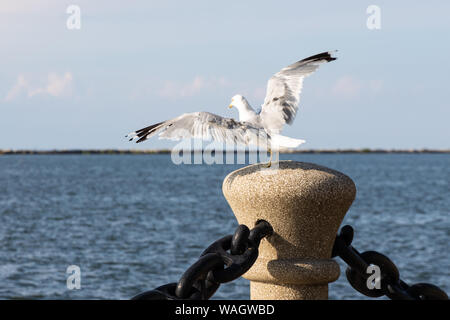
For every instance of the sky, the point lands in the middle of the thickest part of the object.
(135, 63)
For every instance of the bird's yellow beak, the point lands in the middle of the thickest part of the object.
(230, 106)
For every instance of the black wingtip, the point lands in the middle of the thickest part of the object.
(149, 128)
(142, 134)
(321, 56)
(141, 139)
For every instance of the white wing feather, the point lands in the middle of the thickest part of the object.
(206, 126)
(283, 92)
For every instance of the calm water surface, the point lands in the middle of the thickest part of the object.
(134, 222)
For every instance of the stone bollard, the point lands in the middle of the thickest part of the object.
(305, 204)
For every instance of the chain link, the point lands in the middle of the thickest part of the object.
(223, 261)
(390, 283)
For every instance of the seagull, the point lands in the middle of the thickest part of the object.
(253, 128)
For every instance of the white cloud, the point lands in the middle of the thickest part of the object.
(198, 86)
(21, 85)
(54, 85)
(28, 6)
(347, 87)
(174, 89)
(350, 87)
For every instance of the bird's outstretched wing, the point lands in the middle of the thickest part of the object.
(283, 91)
(206, 126)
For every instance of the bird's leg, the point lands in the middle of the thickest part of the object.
(269, 164)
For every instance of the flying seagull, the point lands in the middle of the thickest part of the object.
(255, 128)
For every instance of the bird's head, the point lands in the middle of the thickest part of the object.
(238, 102)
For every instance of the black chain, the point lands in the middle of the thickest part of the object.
(215, 266)
(390, 283)
(231, 256)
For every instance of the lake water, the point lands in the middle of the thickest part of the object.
(135, 222)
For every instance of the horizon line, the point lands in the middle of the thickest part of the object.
(168, 151)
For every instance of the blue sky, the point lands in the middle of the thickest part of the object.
(135, 63)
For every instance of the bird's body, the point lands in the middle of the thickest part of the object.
(263, 128)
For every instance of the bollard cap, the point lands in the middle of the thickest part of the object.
(304, 202)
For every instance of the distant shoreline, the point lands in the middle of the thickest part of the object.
(166, 151)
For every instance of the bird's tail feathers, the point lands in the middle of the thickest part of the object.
(278, 140)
